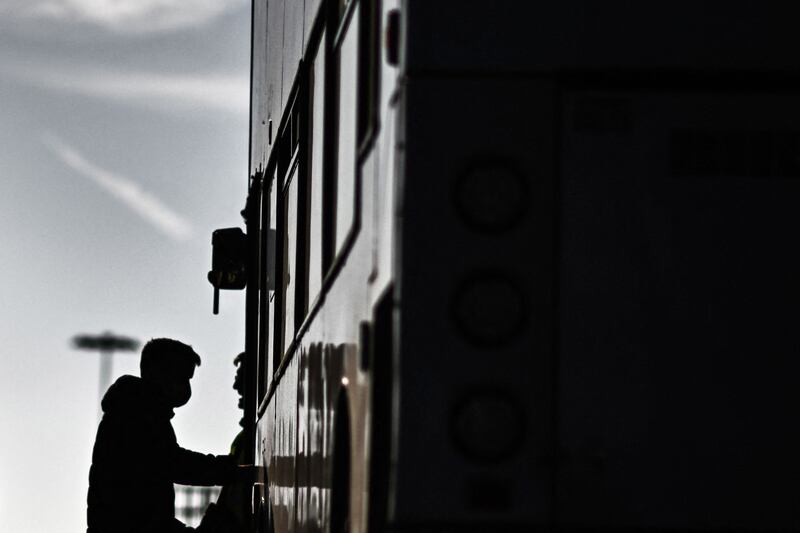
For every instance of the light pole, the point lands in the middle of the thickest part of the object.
(106, 343)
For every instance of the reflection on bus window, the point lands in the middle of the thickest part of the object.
(264, 367)
(348, 94)
(290, 259)
(315, 176)
(273, 225)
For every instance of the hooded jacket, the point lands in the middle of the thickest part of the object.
(136, 460)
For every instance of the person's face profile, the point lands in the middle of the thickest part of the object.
(174, 382)
(180, 392)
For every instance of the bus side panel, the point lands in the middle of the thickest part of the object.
(357, 369)
(678, 310)
(274, 59)
(319, 491)
(384, 197)
(383, 213)
(476, 36)
(258, 96)
(310, 455)
(285, 450)
(292, 45)
(303, 438)
(265, 456)
(312, 432)
(476, 278)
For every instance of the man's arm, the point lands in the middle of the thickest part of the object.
(192, 468)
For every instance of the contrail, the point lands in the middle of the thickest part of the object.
(123, 189)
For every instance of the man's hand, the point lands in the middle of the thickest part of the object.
(249, 474)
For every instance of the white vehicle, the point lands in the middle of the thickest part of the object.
(524, 266)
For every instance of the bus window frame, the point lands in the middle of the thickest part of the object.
(290, 177)
(290, 149)
(327, 34)
(368, 57)
(368, 77)
(266, 366)
(282, 164)
(316, 50)
(333, 259)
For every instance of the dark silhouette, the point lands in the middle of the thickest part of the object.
(136, 456)
(227, 514)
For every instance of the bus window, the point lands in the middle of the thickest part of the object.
(316, 142)
(264, 375)
(346, 136)
(289, 286)
(270, 293)
(368, 66)
(341, 7)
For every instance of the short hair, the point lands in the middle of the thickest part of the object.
(167, 355)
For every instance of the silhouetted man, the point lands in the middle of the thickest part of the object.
(136, 457)
(226, 515)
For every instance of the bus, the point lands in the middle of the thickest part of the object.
(523, 266)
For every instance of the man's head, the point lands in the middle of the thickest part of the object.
(169, 364)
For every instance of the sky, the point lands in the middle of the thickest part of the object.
(123, 145)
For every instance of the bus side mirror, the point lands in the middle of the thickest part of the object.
(228, 261)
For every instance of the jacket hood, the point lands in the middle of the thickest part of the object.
(131, 394)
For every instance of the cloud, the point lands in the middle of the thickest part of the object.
(126, 191)
(125, 16)
(166, 92)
